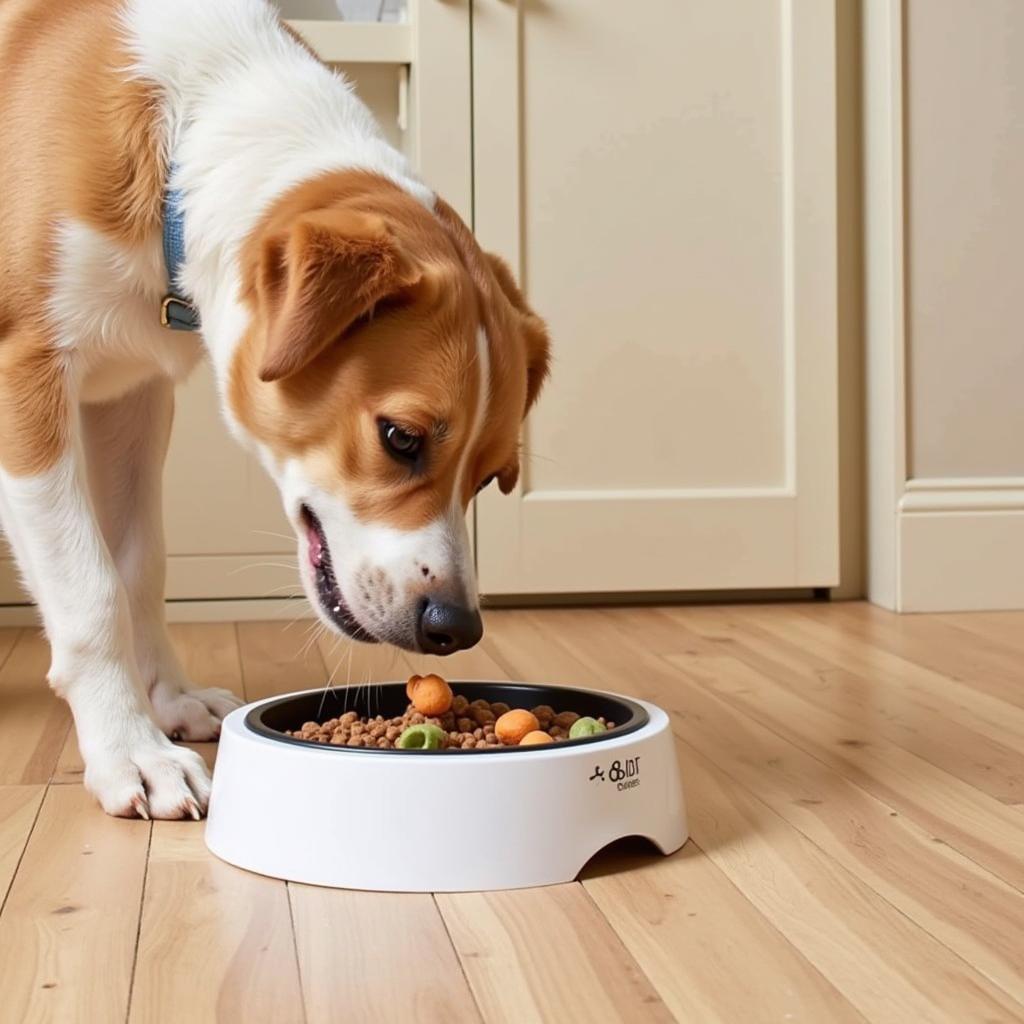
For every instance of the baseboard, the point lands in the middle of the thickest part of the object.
(961, 545)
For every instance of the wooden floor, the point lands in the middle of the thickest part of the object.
(855, 784)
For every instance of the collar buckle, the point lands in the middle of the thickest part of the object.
(178, 315)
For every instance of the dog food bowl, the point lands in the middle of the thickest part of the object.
(439, 820)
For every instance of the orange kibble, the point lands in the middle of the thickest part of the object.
(411, 685)
(514, 725)
(431, 695)
(535, 738)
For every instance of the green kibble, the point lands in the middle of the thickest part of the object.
(422, 737)
(584, 727)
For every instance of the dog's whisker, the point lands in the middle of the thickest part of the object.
(272, 533)
(264, 565)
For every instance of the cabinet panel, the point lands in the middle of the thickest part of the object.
(665, 184)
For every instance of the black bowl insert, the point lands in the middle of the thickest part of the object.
(388, 699)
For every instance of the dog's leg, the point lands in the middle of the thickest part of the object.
(126, 443)
(130, 766)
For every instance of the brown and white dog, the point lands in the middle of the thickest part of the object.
(377, 361)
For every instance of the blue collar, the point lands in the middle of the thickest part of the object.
(176, 312)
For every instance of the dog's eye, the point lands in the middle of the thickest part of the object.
(400, 443)
(485, 482)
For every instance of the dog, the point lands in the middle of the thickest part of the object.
(194, 165)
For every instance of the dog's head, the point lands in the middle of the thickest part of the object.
(384, 376)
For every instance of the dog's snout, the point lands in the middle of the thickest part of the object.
(444, 627)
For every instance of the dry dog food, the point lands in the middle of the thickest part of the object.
(437, 719)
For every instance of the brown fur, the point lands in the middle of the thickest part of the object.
(78, 141)
(412, 359)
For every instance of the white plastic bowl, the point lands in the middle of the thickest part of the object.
(439, 821)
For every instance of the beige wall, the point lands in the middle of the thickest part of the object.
(964, 96)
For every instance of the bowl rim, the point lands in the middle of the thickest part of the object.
(638, 719)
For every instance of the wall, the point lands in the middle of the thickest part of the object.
(943, 95)
(964, 109)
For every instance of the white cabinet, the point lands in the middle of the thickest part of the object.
(663, 178)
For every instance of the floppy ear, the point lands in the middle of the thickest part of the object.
(535, 333)
(316, 279)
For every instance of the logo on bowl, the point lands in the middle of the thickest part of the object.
(623, 772)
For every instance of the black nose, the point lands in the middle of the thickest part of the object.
(446, 628)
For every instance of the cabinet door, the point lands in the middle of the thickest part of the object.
(662, 176)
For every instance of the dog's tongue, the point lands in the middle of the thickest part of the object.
(316, 547)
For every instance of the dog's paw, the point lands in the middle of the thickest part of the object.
(151, 778)
(192, 715)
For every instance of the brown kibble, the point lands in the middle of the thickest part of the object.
(544, 712)
(431, 695)
(466, 725)
(514, 725)
(535, 738)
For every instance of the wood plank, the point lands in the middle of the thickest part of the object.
(690, 928)
(967, 908)
(546, 955)
(929, 693)
(976, 737)
(34, 721)
(67, 932)
(215, 942)
(886, 966)
(620, 661)
(525, 646)
(19, 806)
(950, 810)
(367, 956)
(209, 654)
(998, 627)
(276, 659)
(993, 668)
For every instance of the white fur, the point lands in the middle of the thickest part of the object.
(102, 304)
